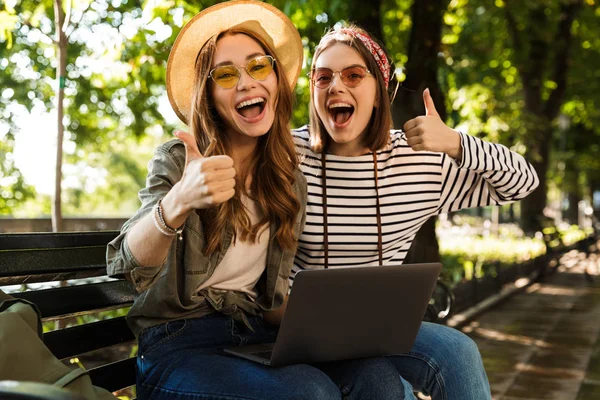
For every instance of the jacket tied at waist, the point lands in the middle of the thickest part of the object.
(233, 304)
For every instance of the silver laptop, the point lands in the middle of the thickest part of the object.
(346, 313)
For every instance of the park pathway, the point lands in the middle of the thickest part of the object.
(544, 343)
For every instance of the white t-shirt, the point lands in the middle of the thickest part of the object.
(244, 262)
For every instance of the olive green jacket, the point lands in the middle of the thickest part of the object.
(169, 291)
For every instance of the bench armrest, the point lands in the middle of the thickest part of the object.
(440, 306)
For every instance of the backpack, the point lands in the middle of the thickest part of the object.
(25, 358)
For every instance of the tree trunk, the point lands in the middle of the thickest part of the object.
(422, 65)
(61, 74)
(595, 191)
(367, 15)
(538, 153)
(421, 73)
(532, 47)
(572, 193)
(511, 213)
(61, 44)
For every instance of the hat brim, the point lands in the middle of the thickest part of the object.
(282, 34)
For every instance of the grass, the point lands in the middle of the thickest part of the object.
(475, 256)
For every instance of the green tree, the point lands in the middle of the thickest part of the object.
(544, 80)
(522, 55)
(466, 52)
(112, 55)
(577, 139)
(13, 188)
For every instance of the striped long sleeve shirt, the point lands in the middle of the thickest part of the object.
(413, 186)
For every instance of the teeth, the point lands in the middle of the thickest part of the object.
(247, 103)
(339, 105)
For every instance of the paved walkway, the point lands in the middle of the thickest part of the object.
(544, 343)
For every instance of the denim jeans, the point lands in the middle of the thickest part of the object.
(183, 359)
(445, 364)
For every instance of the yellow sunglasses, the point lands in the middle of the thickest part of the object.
(227, 76)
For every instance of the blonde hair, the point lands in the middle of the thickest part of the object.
(274, 156)
(378, 129)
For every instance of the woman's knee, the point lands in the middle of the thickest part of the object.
(441, 335)
(218, 376)
(369, 378)
(442, 343)
(458, 342)
(377, 378)
(307, 382)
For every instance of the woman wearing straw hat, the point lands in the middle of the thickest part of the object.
(211, 248)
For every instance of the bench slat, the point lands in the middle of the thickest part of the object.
(73, 300)
(33, 262)
(51, 277)
(115, 376)
(47, 240)
(43, 257)
(81, 339)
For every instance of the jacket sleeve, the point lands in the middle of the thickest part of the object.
(164, 170)
(303, 199)
(487, 174)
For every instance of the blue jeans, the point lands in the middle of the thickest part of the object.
(445, 364)
(183, 360)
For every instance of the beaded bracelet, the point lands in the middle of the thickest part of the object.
(161, 225)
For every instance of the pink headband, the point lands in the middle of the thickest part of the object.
(375, 50)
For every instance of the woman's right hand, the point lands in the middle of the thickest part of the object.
(206, 181)
(274, 317)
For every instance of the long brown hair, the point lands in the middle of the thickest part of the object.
(378, 129)
(274, 156)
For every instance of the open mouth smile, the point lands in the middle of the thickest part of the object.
(340, 113)
(252, 110)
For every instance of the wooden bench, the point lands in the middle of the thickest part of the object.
(441, 304)
(423, 250)
(47, 257)
(555, 246)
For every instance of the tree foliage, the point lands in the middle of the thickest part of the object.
(504, 70)
(522, 59)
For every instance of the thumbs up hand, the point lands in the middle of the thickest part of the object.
(206, 181)
(430, 133)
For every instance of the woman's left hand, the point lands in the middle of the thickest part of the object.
(430, 133)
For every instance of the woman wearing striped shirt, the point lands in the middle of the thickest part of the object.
(370, 189)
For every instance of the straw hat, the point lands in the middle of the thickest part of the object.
(269, 23)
